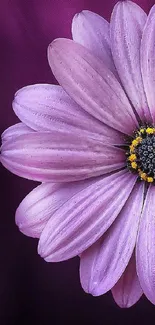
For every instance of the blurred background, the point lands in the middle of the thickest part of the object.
(31, 290)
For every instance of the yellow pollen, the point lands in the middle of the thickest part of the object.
(143, 176)
(142, 130)
(150, 130)
(136, 141)
(132, 157)
(149, 179)
(132, 148)
(139, 139)
(134, 165)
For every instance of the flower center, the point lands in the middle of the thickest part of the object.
(141, 154)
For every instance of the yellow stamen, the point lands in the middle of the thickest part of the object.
(142, 130)
(134, 165)
(136, 141)
(149, 179)
(143, 176)
(132, 157)
(150, 130)
(132, 148)
(139, 139)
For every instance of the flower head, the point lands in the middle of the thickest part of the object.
(91, 142)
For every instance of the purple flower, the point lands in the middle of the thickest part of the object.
(91, 142)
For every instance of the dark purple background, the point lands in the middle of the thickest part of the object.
(31, 290)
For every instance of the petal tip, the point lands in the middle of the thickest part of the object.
(95, 290)
(40, 250)
(124, 303)
(57, 41)
(56, 45)
(42, 253)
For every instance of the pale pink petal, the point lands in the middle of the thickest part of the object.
(60, 157)
(127, 291)
(88, 81)
(46, 107)
(14, 131)
(127, 24)
(83, 220)
(148, 60)
(145, 253)
(92, 31)
(40, 204)
(103, 263)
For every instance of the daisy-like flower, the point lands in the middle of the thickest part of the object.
(91, 142)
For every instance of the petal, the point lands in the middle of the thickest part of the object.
(83, 220)
(127, 291)
(14, 131)
(148, 60)
(103, 264)
(46, 107)
(145, 253)
(59, 157)
(88, 81)
(40, 204)
(92, 31)
(127, 24)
